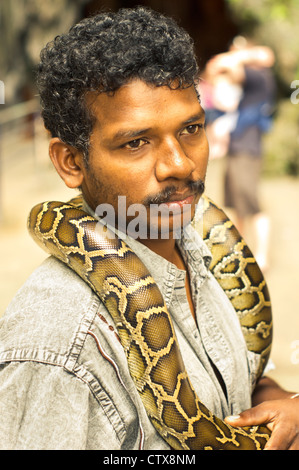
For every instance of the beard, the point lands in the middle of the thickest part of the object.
(150, 219)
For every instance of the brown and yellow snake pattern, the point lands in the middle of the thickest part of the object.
(144, 325)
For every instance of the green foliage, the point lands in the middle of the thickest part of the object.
(263, 10)
(275, 23)
(281, 144)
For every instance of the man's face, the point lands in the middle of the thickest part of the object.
(149, 145)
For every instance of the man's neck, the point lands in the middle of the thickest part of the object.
(167, 249)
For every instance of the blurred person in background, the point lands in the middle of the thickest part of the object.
(240, 94)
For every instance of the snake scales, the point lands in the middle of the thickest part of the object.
(144, 325)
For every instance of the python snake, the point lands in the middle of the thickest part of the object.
(144, 325)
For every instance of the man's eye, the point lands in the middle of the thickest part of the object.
(192, 129)
(135, 144)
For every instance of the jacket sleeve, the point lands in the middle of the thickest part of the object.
(43, 407)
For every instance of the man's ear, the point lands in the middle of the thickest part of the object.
(67, 161)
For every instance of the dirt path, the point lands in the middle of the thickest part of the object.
(26, 181)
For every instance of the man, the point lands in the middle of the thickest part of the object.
(119, 99)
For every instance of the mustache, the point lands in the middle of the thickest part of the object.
(195, 187)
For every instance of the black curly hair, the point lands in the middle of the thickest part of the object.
(102, 53)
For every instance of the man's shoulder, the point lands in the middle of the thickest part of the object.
(48, 310)
(51, 283)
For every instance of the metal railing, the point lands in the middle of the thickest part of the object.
(18, 111)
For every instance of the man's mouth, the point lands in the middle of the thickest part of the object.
(173, 196)
(177, 201)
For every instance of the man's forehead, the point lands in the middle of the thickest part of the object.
(137, 100)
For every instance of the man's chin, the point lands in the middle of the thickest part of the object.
(165, 221)
(166, 227)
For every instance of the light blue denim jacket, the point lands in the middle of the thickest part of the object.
(64, 379)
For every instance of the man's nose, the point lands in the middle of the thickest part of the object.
(173, 162)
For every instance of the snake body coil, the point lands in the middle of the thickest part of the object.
(144, 325)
